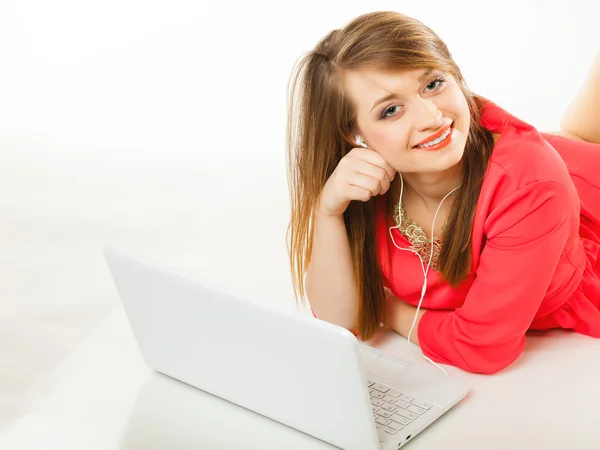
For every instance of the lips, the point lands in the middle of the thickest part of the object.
(434, 136)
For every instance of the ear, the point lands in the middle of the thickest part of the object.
(349, 132)
(353, 135)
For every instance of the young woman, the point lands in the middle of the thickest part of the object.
(384, 140)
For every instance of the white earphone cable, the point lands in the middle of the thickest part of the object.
(425, 270)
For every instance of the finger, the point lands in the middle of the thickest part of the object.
(358, 193)
(366, 182)
(376, 159)
(376, 172)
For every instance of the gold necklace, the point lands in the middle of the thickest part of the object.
(417, 237)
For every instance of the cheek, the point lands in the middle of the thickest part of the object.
(457, 104)
(388, 140)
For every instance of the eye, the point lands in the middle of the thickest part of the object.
(384, 114)
(441, 81)
(392, 110)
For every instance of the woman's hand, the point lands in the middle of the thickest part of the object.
(360, 175)
(399, 315)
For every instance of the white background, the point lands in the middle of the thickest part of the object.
(161, 126)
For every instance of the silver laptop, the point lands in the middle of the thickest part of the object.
(303, 372)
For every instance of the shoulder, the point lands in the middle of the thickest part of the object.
(524, 173)
(523, 163)
(521, 156)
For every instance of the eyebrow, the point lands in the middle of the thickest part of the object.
(392, 95)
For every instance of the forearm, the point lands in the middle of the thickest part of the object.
(582, 117)
(330, 282)
(399, 316)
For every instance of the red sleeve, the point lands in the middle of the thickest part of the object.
(526, 235)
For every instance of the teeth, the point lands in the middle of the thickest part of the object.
(436, 141)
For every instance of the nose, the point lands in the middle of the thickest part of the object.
(426, 115)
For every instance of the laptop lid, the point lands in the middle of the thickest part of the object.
(294, 369)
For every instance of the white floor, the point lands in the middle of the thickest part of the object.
(55, 287)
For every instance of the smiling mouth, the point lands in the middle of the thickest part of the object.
(440, 139)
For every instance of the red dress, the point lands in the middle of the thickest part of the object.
(535, 252)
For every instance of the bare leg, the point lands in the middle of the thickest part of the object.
(566, 134)
(581, 120)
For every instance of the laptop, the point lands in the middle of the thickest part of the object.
(300, 371)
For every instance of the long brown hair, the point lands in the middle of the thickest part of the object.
(320, 115)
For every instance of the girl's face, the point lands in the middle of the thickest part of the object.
(395, 112)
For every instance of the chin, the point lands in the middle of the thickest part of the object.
(440, 161)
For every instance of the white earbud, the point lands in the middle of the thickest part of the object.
(360, 142)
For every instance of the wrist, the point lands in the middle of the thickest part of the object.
(321, 212)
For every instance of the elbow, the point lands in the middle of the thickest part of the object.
(325, 307)
(337, 321)
(489, 367)
(493, 359)
(483, 349)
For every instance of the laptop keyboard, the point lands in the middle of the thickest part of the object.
(394, 410)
